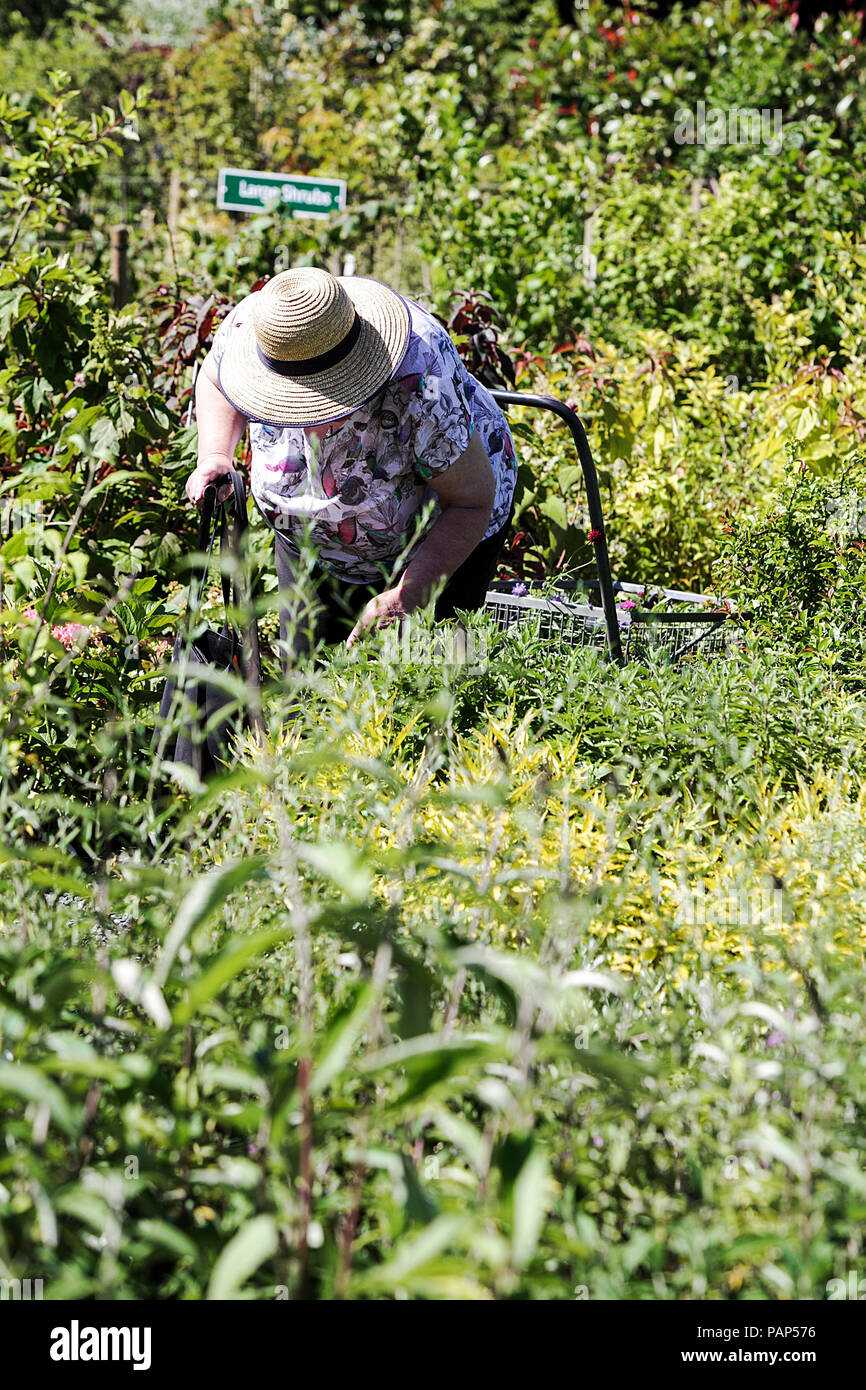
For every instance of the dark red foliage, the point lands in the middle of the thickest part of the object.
(476, 323)
(186, 330)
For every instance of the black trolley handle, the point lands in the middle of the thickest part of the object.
(209, 526)
(230, 535)
(593, 503)
(213, 520)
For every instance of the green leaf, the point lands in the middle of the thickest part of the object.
(104, 1067)
(636, 1250)
(808, 421)
(207, 894)
(88, 1207)
(412, 1255)
(104, 439)
(131, 981)
(167, 1237)
(115, 478)
(531, 1198)
(461, 1133)
(767, 1140)
(78, 562)
(14, 304)
(429, 1061)
(226, 966)
(32, 1086)
(660, 439)
(343, 864)
(254, 1243)
(570, 476)
(420, 1207)
(554, 509)
(16, 547)
(340, 1040)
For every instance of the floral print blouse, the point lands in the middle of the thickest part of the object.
(362, 489)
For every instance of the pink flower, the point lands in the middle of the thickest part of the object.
(628, 604)
(68, 633)
(79, 379)
(595, 534)
(161, 648)
(29, 613)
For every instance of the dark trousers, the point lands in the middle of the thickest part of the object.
(322, 608)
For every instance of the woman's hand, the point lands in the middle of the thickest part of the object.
(220, 427)
(382, 609)
(206, 471)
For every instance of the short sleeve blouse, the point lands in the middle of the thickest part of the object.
(363, 491)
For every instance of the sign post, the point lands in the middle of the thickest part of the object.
(119, 265)
(246, 190)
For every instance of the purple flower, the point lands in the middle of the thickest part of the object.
(627, 603)
(597, 1141)
(775, 1039)
(519, 590)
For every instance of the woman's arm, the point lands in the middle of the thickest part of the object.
(466, 492)
(220, 427)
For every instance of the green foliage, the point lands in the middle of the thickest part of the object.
(552, 167)
(484, 1019)
(800, 570)
(92, 459)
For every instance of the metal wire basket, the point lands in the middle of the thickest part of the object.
(682, 626)
(681, 634)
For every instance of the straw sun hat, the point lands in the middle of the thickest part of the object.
(314, 347)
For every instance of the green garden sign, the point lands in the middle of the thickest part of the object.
(247, 190)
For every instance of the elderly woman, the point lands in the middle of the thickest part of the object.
(360, 413)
